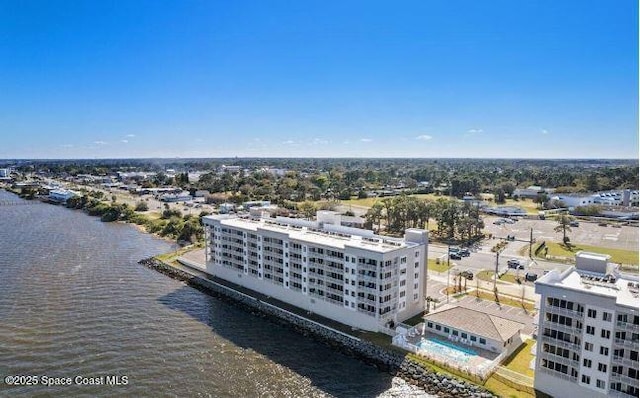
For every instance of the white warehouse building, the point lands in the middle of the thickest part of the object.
(588, 331)
(346, 274)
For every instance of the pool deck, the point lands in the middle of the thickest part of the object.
(482, 359)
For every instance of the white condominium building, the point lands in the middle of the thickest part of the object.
(588, 331)
(346, 274)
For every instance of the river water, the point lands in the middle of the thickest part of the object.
(74, 302)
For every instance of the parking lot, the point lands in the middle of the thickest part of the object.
(587, 233)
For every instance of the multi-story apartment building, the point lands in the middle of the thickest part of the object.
(346, 274)
(588, 331)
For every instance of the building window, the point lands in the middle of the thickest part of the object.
(592, 313)
(606, 316)
(606, 334)
(483, 341)
(600, 383)
(454, 332)
(446, 329)
(586, 363)
(602, 367)
(604, 350)
(430, 325)
(591, 330)
(586, 379)
(463, 335)
(588, 346)
(438, 327)
(473, 338)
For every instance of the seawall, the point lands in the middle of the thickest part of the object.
(395, 363)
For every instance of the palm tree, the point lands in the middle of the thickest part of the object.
(564, 225)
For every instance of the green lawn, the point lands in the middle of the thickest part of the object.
(368, 202)
(442, 267)
(617, 255)
(520, 359)
(503, 300)
(527, 204)
(485, 275)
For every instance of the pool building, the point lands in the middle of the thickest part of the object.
(473, 328)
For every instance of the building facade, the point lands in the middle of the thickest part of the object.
(346, 274)
(588, 331)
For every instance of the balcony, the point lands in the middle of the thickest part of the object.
(628, 362)
(563, 311)
(625, 343)
(626, 326)
(620, 378)
(563, 328)
(561, 343)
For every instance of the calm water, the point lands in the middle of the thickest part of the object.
(74, 302)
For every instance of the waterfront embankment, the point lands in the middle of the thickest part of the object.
(387, 360)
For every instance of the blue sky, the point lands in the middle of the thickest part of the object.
(445, 78)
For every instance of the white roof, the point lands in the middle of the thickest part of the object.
(374, 243)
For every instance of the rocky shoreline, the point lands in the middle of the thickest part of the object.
(433, 383)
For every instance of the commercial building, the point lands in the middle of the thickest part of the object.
(61, 195)
(588, 331)
(346, 274)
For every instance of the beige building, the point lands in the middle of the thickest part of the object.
(476, 329)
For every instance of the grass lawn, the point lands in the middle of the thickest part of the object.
(368, 202)
(526, 204)
(502, 390)
(442, 267)
(485, 275)
(520, 359)
(617, 255)
(503, 300)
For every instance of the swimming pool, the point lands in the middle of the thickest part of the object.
(446, 349)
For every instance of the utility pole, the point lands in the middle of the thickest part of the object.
(531, 244)
(448, 268)
(495, 277)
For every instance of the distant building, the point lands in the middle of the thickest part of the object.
(588, 331)
(349, 275)
(5, 172)
(61, 195)
(507, 211)
(531, 192)
(183, 196)
(201, 193)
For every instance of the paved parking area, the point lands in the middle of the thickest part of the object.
(588, 233)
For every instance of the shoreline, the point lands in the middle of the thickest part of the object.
(394, 363)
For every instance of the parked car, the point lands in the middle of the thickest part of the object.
(464, 252)
(454, 249)
(467, 274)
(530, 277)
(574, 224)
(509, 220)
(455, 256)
(515, 264)
(498, 222)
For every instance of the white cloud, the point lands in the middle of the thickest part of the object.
(545, 132)
(67, 145)
(125, 141)
(346, 142)
(475, 131)
(319, 141)
(130, 135)
(366, 139)
(424, 137)
(100, 142)
(288, 142)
